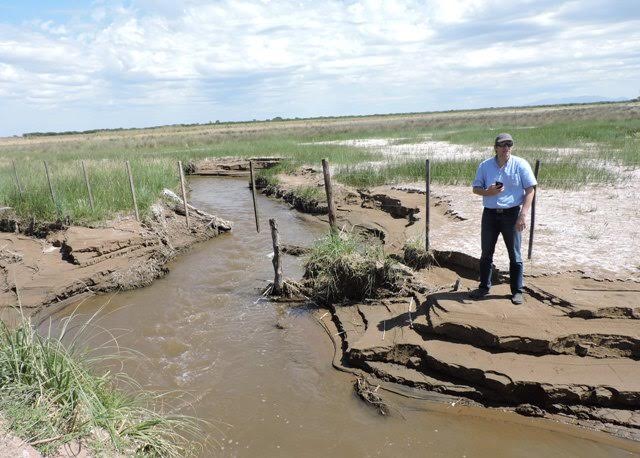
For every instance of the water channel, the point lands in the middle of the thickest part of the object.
(270, 390)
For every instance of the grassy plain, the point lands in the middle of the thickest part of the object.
(597, 141)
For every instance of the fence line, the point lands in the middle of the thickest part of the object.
(66, 197)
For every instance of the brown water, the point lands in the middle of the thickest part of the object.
(272, 392)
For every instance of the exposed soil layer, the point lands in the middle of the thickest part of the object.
(44, 274)
(229, 166)
(569, 352)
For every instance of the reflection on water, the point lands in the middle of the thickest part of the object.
(270, 391)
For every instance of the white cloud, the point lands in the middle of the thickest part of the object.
(348, 56)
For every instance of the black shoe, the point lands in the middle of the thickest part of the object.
(478, 293)
(517, 299)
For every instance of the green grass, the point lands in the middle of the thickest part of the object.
(49, 396)
(152, 171)
(310, 193)
(604, 135)
(562, 174)
(450, 172)
(615, 141)
(109, 185)
(342, 266)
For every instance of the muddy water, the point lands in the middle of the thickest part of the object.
(268, 391)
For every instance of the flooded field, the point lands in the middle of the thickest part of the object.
(270, 390)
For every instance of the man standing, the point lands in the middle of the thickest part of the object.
(506, 184)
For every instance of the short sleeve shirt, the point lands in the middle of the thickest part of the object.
(516, 175)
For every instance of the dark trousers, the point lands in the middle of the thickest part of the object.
(493, 224)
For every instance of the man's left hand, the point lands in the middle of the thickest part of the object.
(521, 223)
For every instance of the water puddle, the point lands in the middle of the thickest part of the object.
(268, 391)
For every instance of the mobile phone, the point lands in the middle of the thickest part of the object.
(499, 184)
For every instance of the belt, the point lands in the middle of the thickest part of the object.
(503, 210)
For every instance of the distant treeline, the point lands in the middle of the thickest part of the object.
(278, 119)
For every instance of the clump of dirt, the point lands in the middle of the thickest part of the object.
(340, 267)
(369, 394)
(417, 258)
(295, 250)
(300, 202)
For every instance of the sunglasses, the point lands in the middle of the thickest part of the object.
(503, 144)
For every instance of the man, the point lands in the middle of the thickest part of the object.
(506, 184)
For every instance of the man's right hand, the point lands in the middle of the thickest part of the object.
(494, 190)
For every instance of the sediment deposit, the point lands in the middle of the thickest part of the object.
(569, 353)
(47, 273)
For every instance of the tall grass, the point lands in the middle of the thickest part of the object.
(49, 396)
(342, 266)
(559, 174)
(152, 171)
(109, 185)
(615, 141)
(604, 135)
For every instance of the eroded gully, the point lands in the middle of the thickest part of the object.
(270, 390)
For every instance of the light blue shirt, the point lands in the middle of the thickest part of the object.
(516, 175)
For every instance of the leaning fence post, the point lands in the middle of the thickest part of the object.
(427, 208)
(86, 182)
(53, 196)
(533, 210)
(329, 190)
(184, 194)
(133, 191)
(277, 266)
(253, 194)
(15, 173)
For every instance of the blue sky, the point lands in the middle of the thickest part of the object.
(77, 65)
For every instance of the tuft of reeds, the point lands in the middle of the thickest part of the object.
(49, 396)
(341, 266)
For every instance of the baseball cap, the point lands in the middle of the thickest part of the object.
(503, 138)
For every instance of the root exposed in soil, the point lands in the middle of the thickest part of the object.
(341, 267)
(369, 394)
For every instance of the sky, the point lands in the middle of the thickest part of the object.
(78, 65)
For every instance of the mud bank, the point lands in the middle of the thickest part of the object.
(570, 353)
(230, 166)
(44, 274)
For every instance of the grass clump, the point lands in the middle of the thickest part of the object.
(50, 397)
(341, 266)
(310, 194)
(269, 176)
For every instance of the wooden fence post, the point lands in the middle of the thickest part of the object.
(277, 266)
(15, 173)
(184, 194)
(86, 182)
(253, 194)
(533, 210)
(329, 190)
(427, 207)
(133, 191)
